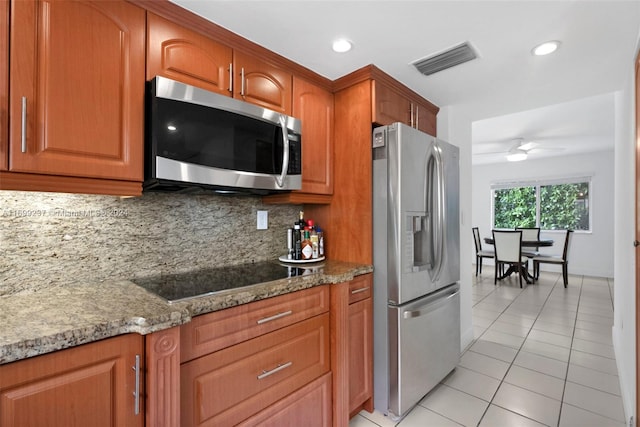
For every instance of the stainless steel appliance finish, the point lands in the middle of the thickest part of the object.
(200, 138)
(416, 265)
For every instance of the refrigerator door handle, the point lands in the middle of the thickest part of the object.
(409, 314)
(435, 179)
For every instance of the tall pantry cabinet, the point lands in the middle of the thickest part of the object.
(76, 85)
(4, 83)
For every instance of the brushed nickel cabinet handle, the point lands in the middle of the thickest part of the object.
(357, 291)
(278, 368)
(23, 138)
(136, 393)
(231, 77)
(411, 121)
(242, 81)
(274, 317)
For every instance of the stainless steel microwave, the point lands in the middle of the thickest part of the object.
(197, 138)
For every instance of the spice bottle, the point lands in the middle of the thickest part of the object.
(320, 241)
(307, 249)
(297, 243)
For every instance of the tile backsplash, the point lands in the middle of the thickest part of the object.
(58, 239)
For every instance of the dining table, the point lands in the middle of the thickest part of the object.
(525, 244)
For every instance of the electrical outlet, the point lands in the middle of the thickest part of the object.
(263, 220)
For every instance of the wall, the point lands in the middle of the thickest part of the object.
(62, 238)
(590, 253)
(454, 126)
(625, 285)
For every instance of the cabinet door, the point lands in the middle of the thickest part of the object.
(260, 83)
(360, 354)
(424, 118)
(310, 407)
(184, 55)
(314, 107)
(88, 385)
(4, 83)
(77, 82)
(389, 106)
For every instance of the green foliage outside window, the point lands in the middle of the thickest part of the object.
(562, 206)
(515, 207)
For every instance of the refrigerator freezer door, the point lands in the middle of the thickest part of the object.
(424, 347)
(415, 201)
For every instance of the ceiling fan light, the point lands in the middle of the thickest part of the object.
(545, 48)
(516, 157)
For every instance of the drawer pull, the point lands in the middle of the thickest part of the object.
(274, 317)
(357, 291)
(136, 393)
(278, 368)
(23, 136)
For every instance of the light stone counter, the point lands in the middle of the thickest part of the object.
(58, 317)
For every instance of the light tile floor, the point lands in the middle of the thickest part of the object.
(542, 356)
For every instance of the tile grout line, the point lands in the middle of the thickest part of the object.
(517, 352)
(516, 355)
(573, 333)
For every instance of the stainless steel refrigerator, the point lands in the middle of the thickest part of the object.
(416, 265)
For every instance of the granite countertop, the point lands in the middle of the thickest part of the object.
(58, 317)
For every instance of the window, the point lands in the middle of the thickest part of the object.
(549, 205)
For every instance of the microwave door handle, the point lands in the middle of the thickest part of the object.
(285, 155)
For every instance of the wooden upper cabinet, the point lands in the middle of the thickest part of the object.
(261, 83)
(88, 385)
(180, 54)
(4, 83)
(77, 82)
(424, 118)
(389, 106)
(313, 105)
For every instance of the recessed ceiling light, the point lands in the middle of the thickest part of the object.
(342, 45)
(172, 128)
(545, 48)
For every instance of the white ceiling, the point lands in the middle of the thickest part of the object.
(506, 92)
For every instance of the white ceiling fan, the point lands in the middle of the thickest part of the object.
(519, 149)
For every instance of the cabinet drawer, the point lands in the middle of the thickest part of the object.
(232, 384)
(310, 407)
(215, 331)
(360, 288)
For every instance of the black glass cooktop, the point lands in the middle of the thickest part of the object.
(182, 286)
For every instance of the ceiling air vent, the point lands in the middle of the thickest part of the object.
(447, 59)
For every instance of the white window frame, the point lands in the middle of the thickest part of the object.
(503, 185)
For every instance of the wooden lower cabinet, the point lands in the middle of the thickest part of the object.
(215, 331)
(351, 348)
(230, 385)
(360, 355)
(89, 385)
(309, 407)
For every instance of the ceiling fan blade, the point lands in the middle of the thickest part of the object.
(546, 149)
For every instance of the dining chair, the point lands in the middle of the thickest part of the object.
(530, 234)
(508, 247)
(562, 260)
(480, 253)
